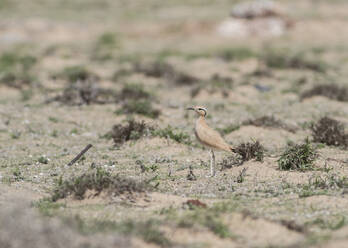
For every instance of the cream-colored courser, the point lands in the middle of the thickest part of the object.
(208, 136)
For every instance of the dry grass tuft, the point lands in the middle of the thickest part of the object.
(330, 91)
(270, 122)
(84, 93)
(329, 132)
(97, 180)
(250, 150)
(132, 130)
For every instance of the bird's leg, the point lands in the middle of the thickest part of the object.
(212, 163)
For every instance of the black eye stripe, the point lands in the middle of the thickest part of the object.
(205, 112)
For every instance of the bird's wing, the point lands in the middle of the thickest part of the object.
(210, 137)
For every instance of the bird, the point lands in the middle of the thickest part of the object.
(209, 137)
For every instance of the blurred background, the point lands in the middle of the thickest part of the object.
(74, 72)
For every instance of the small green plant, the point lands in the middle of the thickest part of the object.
(53, 119)
(205, 217)
(329, 181)
(329, 132)
(335, 223)
(75, 73)
(146, 230)
(43, 160)
(15, 134)
(298, 157)
(47, 207)
(284, 59)
(228, 129)
(142, 107)
(105, 46)
(17, 174)
(74, 131)
(236, 53)
(15, 69)
(134, 91)
(241, 176)
(160, 69)
(171, 133)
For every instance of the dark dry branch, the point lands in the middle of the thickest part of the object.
(80, 155)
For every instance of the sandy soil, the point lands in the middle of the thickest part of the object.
(184, 35)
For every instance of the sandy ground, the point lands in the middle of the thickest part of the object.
(184, 35)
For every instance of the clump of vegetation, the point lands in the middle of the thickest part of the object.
(216, 83)
(15, 69)
(330, 91)
(84, 93)
(134, 91)
(146, 230)
(76, 73)
(229, 162)
(171, 133)
(97, 180)
(207, 218)
(141, 107)
(132, 130)
(329, 181)
(286, 60)
(236, 53)
(160, 69)
(105, 46)
(192, 204)
(298, 157)
(43, 160)
(268, 121)
(241, 176)
(329, 132)
(250, 150)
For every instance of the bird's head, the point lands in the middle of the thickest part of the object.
(202, 111)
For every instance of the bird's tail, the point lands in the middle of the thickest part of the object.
(232, 149)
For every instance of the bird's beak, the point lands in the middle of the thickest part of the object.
(190, 108)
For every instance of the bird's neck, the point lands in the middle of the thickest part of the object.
(200, 120)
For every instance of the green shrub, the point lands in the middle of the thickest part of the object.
(298, 157)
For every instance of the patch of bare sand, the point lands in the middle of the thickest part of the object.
(271, 139)
(24, 191)
(267, 172)
(150, 201)
(255, 232)
(157, 146)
